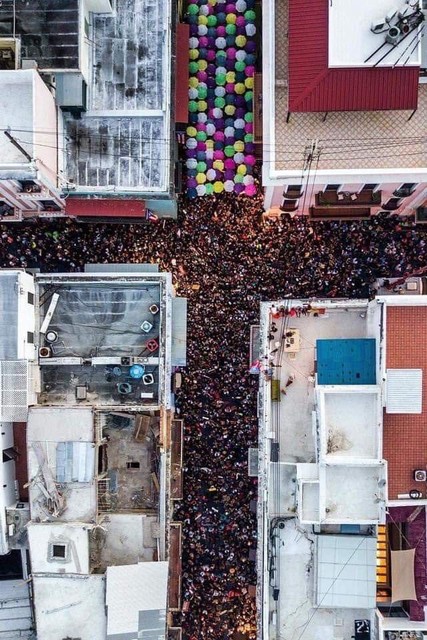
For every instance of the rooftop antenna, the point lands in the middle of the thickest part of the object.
(414, 39)
(415, 46)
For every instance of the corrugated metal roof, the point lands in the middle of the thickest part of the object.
(75, 461)
(315, 87)
(404, 391)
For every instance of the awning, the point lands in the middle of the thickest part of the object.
(182, 73)
(402, 575)
(105, 207)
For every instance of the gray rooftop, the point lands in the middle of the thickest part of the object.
(122, 142)
(9, 291)
(48, 30)
(96, 320)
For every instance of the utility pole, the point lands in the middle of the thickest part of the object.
(18, 146)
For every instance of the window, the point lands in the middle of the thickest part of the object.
(293, 191)
(30, 297)
(405, 190)
(59, 551)
(421, 215)
(392, 204)
(10, 454)
(30, 337)
(332, 187)
(132, 465)
(370, 186)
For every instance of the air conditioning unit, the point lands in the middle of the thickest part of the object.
(45, 352)
(393, 35)
(420, 475)
(18, 516)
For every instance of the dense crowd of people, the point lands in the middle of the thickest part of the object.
(225, 258)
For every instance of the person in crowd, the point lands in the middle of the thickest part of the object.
(225, 258)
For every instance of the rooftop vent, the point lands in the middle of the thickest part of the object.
(393, 36)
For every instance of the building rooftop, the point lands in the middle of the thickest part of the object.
(354, 141)
(49, 30)
(61, 464)
(351, 40)
(61, 600)
(136, 599)
(122, 143)
(328, 46)
(99, 325)
(406, 332)
(321, 453)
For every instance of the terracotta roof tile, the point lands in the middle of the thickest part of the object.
(405, 435)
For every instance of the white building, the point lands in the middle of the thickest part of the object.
(17, 369)
(95, 427)
(339, 398)
(344, 105)
(29, 183)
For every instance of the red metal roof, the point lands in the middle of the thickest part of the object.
(313, 86)
(405, 435)
(105, 207)
(182, 73)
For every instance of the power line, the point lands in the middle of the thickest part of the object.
(354, 144)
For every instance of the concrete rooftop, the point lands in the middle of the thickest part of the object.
(100, 319)
(338, 490)
(122, 143)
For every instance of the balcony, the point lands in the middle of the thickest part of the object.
(405, 190)
(366, 197)
(293, 191)
(288, 206)
(331, 212)
(392, 204)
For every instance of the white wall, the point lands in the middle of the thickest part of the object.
(26, 317)
(45, 130)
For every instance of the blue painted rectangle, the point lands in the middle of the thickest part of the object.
(346, 361)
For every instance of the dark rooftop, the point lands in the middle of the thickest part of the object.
(98, 327)
(48, 30)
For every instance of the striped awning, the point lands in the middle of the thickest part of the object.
(404, 391)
